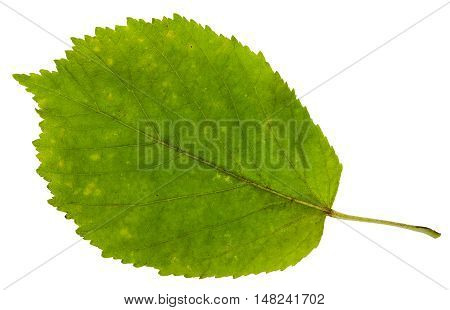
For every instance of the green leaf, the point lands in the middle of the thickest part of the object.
(136, 149)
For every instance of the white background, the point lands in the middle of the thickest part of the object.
(387, 117)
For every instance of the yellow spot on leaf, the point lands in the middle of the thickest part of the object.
(94, 157)
(89, 189)
(221, 177)
(69, 184)
(170, 34)
(125, 232)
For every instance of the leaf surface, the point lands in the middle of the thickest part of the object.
(103, 110)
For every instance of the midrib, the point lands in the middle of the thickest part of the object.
(242, 178)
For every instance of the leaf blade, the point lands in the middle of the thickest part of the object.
(108, 83)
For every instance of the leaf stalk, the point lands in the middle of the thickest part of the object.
(425, 230)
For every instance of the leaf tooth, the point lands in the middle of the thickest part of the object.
(138, 264)
(101, 31)
(36, 142)
(46, 73)
(277, 75)
(177, 16)
(88, 38)
(119, 28)
(131, 21)
(60, 63)
(104, 253)
(21, 78)
(76, 43)
(261, 55)
(193, 22)
(70, 54)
